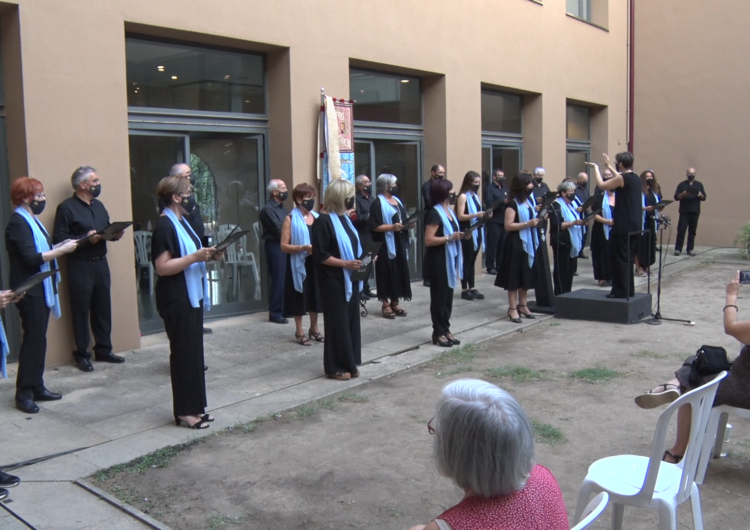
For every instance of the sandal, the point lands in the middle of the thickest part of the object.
(315, 335)
(677, 459)
(200, 424)
(651, 399)
(398, 311)
(341, 376)
(517, 320)
(207, 417)
(354, 374)
(388, 312)
(528, 315)
(302, 340)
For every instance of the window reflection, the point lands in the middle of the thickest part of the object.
(578, 123)
(385, 97)
(501, 112)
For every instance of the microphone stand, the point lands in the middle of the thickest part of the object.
(656, 317)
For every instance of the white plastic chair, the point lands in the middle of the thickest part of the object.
(593, 510)
(647, 482)
(715, 431)
(143, 256)
(237, 257)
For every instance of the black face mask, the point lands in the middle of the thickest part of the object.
(475, 188)
(283, 196)
(95, 190)
(37, 207)
(691, 178)
(571, 197)
(529, 192)
(349, 203)
(308, 204)
(538, 180)
(192, 180)
(452, 198)
(367, 189)
(188, 203)
(438, 177)
(393, 190)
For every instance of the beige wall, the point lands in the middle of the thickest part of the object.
(691, 106)
(72, 56)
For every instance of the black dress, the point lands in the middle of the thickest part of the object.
(565, 266)
(391, 275)
(628, 217)
(647, 242)
(342, 350)
(441, 294)
(297, 304)
(515, 272)
(467, 246)
(601, 249)
(183, 324)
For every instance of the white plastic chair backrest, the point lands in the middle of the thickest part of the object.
(593, 510)
(256, 230)
(701, 399)
(142, 246)
(232, 254)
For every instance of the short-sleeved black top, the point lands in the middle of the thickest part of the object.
(24, 259)
(76, 218)
(325, 244)
(691, 203)
(628, 214)
(169, 288)
(438, 251)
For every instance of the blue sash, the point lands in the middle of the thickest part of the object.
(300, 236)
(606, 213)
(388, 211)
(195, 274)
(471, 203)
(4, 352)
(529, 236)
(576, 233)
(345, 249)
(41, 242)
(454, 261)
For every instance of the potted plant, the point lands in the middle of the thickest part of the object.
(743, 241)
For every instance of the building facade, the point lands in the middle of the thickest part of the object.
(134, 86)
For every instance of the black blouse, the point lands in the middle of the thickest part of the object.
(467, 224)
(325, 245)
(23, 257)
(173, 287)
(628, 214)
(376, 220)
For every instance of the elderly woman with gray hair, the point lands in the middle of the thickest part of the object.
(387, 216)
(484, 443)
(566, 235)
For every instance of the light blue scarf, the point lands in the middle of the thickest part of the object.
(606, 213)
(195, 274)
(454, 260)
(345, 249)
(576, 232)
(4, 352)
(300, 236)
(529, 236)
(388, 211)
(471, 203)
(41, 242)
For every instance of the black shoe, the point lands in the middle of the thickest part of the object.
(516, 320)
(610, 295)
(677, 252)
(27, 406)
(690, 253)
(468, 295)
(450, 337)
(281, 320)
(8, 481)
(207, 331)
(45, 395)
(582, 255)
(528, 315)
(426, 282)
(368, 292)
(477, 294)
(109, 358)
(492, 272)
(364, 296)
(3, 494)
(440, 342)
(84, 365)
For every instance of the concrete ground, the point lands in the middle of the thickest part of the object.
(118, 413)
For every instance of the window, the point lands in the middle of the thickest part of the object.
(578, 144)
(171, 75)
(578, 123)
(580, 9)
(595, 12)
(501, 112)
(386, 98)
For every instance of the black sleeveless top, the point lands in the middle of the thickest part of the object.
(628, 214)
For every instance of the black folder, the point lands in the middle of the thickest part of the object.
(662, 204)
(476, 226)
(591, 215)
(367, 259)
(413, 217)
(35, 280)
(589, 203)
(233, 236)
(109, 232)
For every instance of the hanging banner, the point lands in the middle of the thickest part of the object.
(337, 151)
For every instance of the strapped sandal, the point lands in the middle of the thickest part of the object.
(302, 340)
(651, 399)
(200, 424)
(398, 311)
(528, 315)
(677, 459)
(207, 417)
(388, 312)
(316, 336)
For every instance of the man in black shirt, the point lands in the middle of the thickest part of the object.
(540, 188)
(690, 193)
(437, 172)
(495, 228)
(89, 280)
(271, 218)
(627, 218)
(364, 200)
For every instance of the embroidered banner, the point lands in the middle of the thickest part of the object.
(337, 153)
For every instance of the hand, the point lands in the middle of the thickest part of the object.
(218, 256)
(606, 159)
(351, 212)
(67, 246)
(118, 235)
(466, 235)
(353, 265)
(593, 164)
(579, 210)
(203, 254)
(579, 222)
(410, 226)
(6, 297)
(533, 222)
(398, 227)
(700, 195)
(307, 248)
(479, 215)
(649, 208)
(93, 238)
(538, 207)
(611, 222)
(733, 287)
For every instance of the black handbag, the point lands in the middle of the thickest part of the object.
(709, 360)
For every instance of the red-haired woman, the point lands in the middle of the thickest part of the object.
(30, 251)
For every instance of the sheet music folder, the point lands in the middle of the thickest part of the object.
(35, 280)
(367, 259)
(109, 231)
(233, 236)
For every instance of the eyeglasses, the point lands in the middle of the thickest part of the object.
(429, 426)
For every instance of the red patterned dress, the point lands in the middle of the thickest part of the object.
(538, 506)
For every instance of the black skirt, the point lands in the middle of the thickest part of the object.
(514, 271)
(298, 304)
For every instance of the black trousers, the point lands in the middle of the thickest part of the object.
(688, 222)
(342, 350)
(623, 284)
(494, 247)
(565, 267)
(277, 272)
(34, 320)
(184, 326)
(441, 302)
(470, 259)
(90, 303)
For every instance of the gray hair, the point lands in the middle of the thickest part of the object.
(566, 185)
(176, 169)
(358, 180)
(483, 439)
(81, 174)
(273, 186)
(539, 170)
(385, 181)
